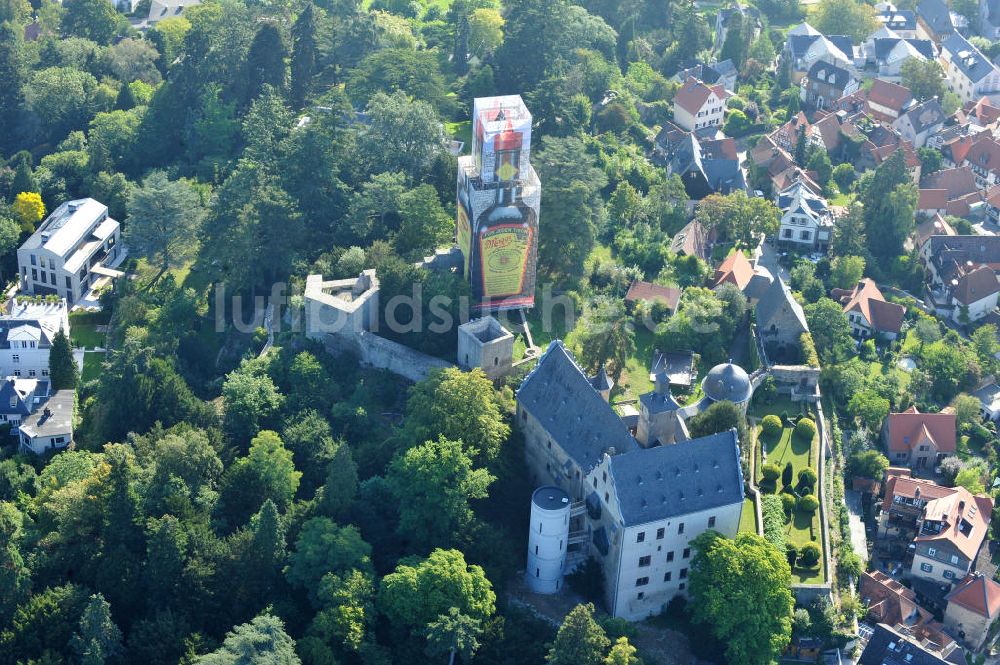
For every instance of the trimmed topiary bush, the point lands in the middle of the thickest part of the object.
(807, 477)
(809, 555)
(769, 472)
(805, 429)
(771, 425)
(808, 503)
(791, 553)
(786, 475)
(788, 502)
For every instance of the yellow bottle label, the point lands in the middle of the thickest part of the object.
(464, 236)
(504, 252)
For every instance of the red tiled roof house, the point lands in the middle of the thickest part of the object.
(868, 312)
(697, 106)
(949, 524)
(665, 295)
(918, 440)
(973, 606)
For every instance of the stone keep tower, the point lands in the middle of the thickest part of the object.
(486, 344)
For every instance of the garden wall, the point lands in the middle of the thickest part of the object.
(375, 351)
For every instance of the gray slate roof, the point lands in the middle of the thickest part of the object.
(967, 58)
(654, 484)
(14, 402)
(926, 115)
(699, 70)
(901, 19)
(724, 175)
(832, 75)
(888, 647)
(935, 14)
(728, 382)
(884, 46)
(657, 402)
(775, 301)
(561, 397)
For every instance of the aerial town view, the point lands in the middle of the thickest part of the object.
(499, 332)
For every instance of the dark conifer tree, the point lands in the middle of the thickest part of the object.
(63, 371)
(303, 55)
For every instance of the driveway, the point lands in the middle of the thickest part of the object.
(856, 519)
(769, 259)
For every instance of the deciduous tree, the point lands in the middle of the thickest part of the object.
(15, 578)
(251, 399)
(924, 78)
(402, 135)
(846, 271)
(420, 590)
(323, 547)
(29, 209)
(453, 633)
(844, 17)
(740, 588)
(92, 19)
(434, 483)
(460, 406)
(830, 330)
(889, 198)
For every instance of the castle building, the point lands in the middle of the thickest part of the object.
(634, 506)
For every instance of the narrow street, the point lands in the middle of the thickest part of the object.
(769, 259)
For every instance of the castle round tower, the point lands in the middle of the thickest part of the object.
(547, 539)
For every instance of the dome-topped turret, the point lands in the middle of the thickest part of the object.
(727, 382)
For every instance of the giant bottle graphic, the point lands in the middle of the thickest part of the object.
(498, 197)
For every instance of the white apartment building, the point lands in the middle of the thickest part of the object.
(26, 334)
(968, 73)
(698, 106)
(72, 251)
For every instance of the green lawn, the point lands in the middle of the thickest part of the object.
(83, 329)
(460, 131)
(92, 365)
(803, 528)
(780, 404)
(635, 380)
(841, 199)
(748, 518)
